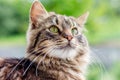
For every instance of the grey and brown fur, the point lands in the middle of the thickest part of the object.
(50, 56)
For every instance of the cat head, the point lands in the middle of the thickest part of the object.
(56, 35)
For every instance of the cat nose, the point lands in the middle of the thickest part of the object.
(69, 37)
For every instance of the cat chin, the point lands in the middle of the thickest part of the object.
(68, 53)
(67, 46)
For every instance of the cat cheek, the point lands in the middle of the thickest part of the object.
(74, 41)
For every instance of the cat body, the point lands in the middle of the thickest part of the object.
(57, 49)
(49, 70)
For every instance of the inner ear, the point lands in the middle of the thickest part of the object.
(82, 19)
(37, 10)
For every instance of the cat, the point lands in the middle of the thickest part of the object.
(56, 48)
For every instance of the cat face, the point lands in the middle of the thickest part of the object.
(55, 35)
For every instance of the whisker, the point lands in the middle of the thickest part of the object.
(29, 65)
(99, 63)
(17, 66)
(40, 62)
(96, 64)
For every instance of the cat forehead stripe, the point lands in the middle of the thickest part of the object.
(66, 18)
(71, 22)
(74, 24)
(55, 20)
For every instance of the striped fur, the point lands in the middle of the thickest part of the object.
(50, 56)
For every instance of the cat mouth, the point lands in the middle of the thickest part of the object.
(67, 46)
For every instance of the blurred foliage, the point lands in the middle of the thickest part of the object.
(96, 72)
(104, 15)
(13, 17)
(103, 23)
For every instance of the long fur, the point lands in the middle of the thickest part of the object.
(50, 56)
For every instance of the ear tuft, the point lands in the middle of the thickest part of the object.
(82, 19)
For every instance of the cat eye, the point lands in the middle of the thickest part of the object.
(53, 29)
(74, 31)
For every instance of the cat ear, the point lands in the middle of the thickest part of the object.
(82, 19)
(36, 11)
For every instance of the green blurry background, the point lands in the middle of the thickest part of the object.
(103, 28)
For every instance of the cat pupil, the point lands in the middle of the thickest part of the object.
(53, 29)
(74, 31)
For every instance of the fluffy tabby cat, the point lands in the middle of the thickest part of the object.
(57, 49)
